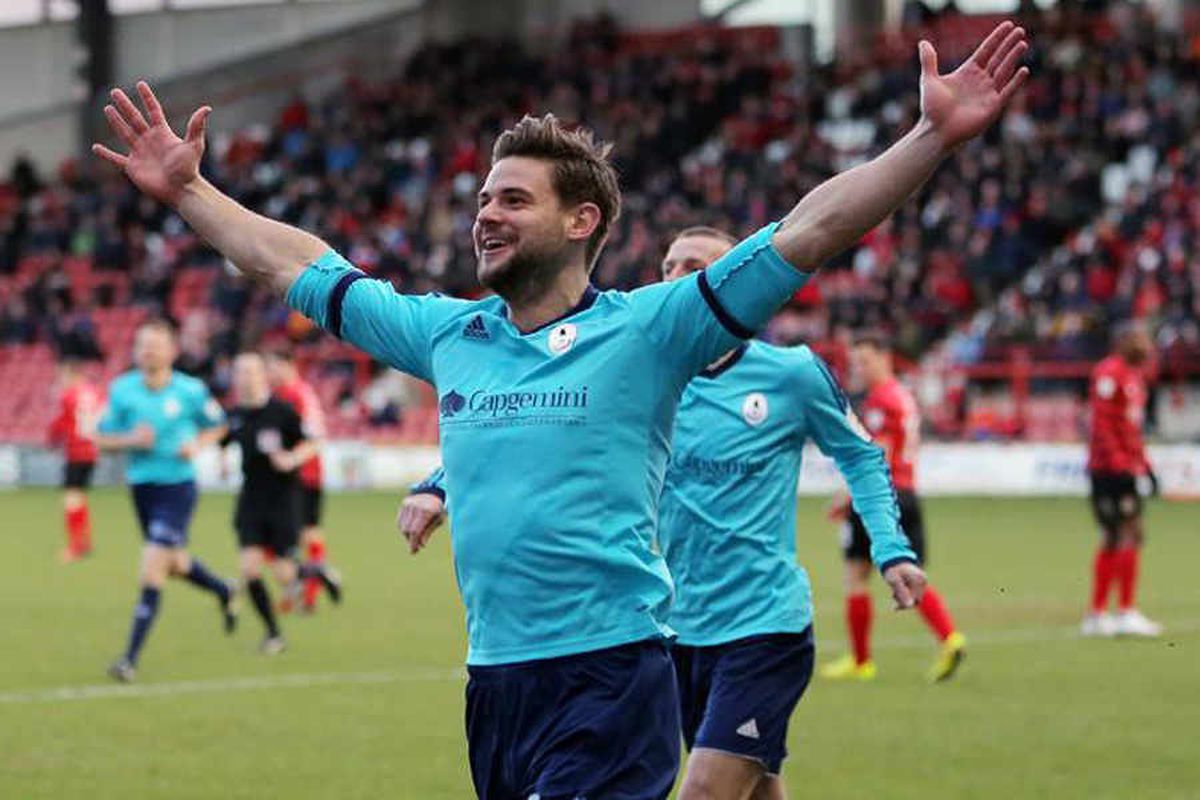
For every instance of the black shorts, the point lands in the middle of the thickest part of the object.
(856, 545)
(1115, 499)
(78, 474)
(273, 525)
(311, 502)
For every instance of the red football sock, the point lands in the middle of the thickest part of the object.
(1127, 559)
(316, 554)
(1104, 570)
(936, 615)
(858, 617)
(79, 539)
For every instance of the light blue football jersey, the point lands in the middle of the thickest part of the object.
(555, 441)
(727, 523)
(176, 412)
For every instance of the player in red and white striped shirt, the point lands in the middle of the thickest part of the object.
(288, 386)
(80, 404)
(1116, 459)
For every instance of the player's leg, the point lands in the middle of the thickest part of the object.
(932, 607)
(755, 686)
(860, 612)
(1104, 502)
(155, 568)
(770, 787)
(169, 526)
(1129, 620)
(316, 571)
(76, 517)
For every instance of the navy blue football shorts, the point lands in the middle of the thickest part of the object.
(737, 697)
(164, 511)
(602, 725)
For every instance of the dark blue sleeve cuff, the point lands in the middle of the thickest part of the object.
(885, 566)
(424, 488)
(724, 317)
(336, 297)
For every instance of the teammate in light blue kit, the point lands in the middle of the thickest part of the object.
(556, 393)
(727, 528)
(162, 418)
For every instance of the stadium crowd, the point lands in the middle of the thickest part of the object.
(1080, 209)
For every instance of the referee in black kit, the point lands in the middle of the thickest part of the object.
(268, 515)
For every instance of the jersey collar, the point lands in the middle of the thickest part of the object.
(712, 372)
(589, 298)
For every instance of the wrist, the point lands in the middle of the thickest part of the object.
(190, 193)
(927, 131)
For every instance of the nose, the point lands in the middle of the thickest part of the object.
(488, 213)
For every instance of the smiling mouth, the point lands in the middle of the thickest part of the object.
(494, 244)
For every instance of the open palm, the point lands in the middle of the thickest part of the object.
(965, 102)
(158, 162)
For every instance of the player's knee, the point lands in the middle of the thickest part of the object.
(857, 576)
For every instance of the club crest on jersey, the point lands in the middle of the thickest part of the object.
(754, 408)
(874, 419)
(171, 408)
(1106, 387)
(562, 337)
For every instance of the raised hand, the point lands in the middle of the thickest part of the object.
(962, 104)
(158, 162)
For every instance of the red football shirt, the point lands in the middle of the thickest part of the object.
(301, 397)
(890, 414)
(1118, 401)
(75, 426)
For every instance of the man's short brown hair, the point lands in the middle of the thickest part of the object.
(582, 172)
(706, 230)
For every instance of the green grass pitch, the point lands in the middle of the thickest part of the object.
(368, 701)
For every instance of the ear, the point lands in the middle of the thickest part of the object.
(582, 221)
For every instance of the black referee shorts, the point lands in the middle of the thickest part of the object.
(856, 545)
(270, 523)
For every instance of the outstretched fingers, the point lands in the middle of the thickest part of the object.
(988, 47)
(129, 112)
(1005, 70)
(111, 156)
(929, 59)
(197, 124)
(119, 126)
(1013, 85)
(1004, 52)
(153, 107)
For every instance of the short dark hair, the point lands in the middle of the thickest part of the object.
(706, 230)
(582, 170)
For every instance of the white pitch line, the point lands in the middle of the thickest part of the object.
(458, 674)
(107, 691)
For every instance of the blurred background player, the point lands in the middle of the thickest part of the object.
(80, 404)
(727, 528)
(290, 387)
(268, 516)
(162, 419)
(890, 414)
(1116, 459)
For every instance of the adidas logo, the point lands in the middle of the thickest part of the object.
(749, 729)
(475, 329)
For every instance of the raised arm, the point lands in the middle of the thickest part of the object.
(167, 168)
(954, 108)
(832, 425)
